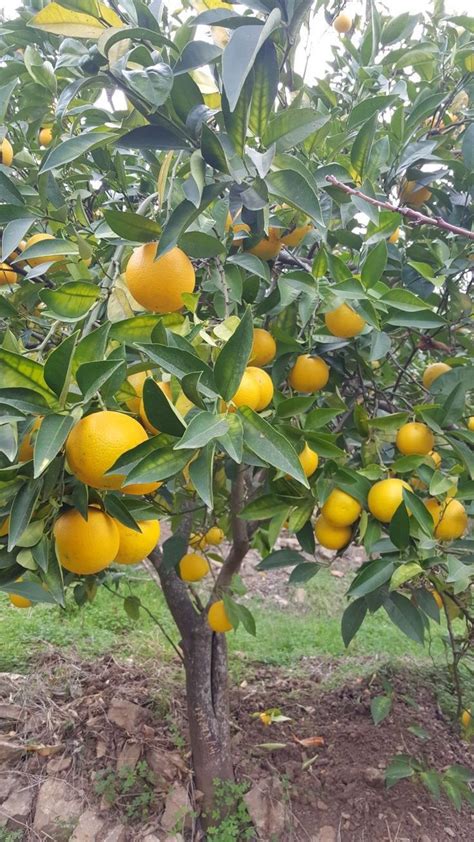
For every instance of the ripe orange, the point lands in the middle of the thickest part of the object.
(6, 153)
(96, 442)
(7, 274)
(87, 546)
(218, 619)
(330, 536)
(342, 23)
(268, 247)
(196, 539)
(158, 285)
(449, 517)
(309, 460)
(214, 536)
(193, 567)
(265, 386)
(466, 716)
(413, 193)
(25, 450)
(49, 258)
(309, 374)
(135, 546)
(470, 423)
(340, 508)
(166, 388)
(263, 347)
(415, 439)
(19, 601)
(136, 382)
(394, 238)
(385, 497)
(344, 322)
(296, 236)
(433, 371)
(45, 136)
(4, 526)
(248, 393)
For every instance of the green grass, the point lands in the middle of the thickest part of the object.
(283, 636)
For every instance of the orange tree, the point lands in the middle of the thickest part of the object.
(237, 301)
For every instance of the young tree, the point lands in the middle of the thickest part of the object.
(236, 300)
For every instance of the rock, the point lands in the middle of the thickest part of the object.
(151, 837)
(129, 755)
(450, 832)
(14, 812)
(100, 749)
(118, 833)
(11, 711)
(374, 777)
(321, 805)
(326, 834)
(425, 838)
(88, 827)
(300, 596)
(165, 764)
(266, 809)
(125, 714)
(10, 751)
(177, 837)
(178, 809)
(59, 764)
(7, 782)
(58, 808)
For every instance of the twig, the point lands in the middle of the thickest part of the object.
(240, 536)
(409, 213)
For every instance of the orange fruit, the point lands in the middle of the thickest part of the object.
(96, 442)
(47, 258)
(45, 136)
(19, 601)
(433, 371)
(296, 236)
(394, 238)
(344, 322)
(4, 527)
(26, 448)
(309, 460)
(248, 393)
(263, 347)
(217, 617)
(309, 374)
(7, 274)
(166, 388)
(330, 536)
(135, 546)
(265, 386)
(268, 247)
(385, 497)
(193, 567)
(340, 508)
(415, 439)
(87, 546)
(449, 517)
(470, 423)
(413, 193)
(342, 23)
(468, 64)
(136, 382)
(158, 285)
(466, 717)
(6, 153)
(214, 536)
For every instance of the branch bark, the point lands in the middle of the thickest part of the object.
(409, 213)
(240, 536)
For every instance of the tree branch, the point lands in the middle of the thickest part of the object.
(240, 537)
(409, 213)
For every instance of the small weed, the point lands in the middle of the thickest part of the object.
(233, 822)
(175, 734)
(130, 791)
(10, 835)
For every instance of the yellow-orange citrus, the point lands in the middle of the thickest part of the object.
(7, 274)
(413, 193)
(25, 450)
(449, 518)
(183, 404)
(158, 285)
(217, 617)
(265, 386)
(344, 322)
(466, 717)
(395, 236)
(263, 347)
(330, 536)
(434, 455)
(136, 382)
(214, 536)
(96, 442)
(46, 258)
(470, 423)
(193, 567)
(342, 23)
(19, 601)
(4, 527)
(248, 393)
(87, 546)
(385, 497)
(309, 460)
(135, 546)
(166, 388)
(340, 508)
(433, 371)
(196, 539)
(6, 153)
(296, 236)
(469, 63)
(45, 136)
(309, 374)
(415, 438)
(268, 247)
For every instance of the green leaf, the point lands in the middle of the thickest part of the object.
(73, 148)
(196, 54)
(183, 215)
(201, 472)
(464, 453)
(92, 376)
(380, 708)
(57, 368)
(46, 248)
(19, 371)
(374, 264)
(133, 456)
(132, 226)
(173, 550)
(291, 126)
(233, 441)
(292, 188)
(154, 137)
(399, 529)
(158, 465)
(431, 780)
(160, 411)
(240, 54)
(402, 299)
(389, 422)
(56, 19)
(280, 558)
(178, 362)
(264, 507)
(366, 109)
(362, 146)
(22, 509)
(303, 572)
(31, 591)
(400, 767)
(203, 428)
(236, 121)
(421, 319)
(265, 87)
(134, 330)
(9, 192)
(352, 619)
(405, 573)
(212, 149)
(405, 616)
(419, 512)
(132, 606)
(270, 445)
(233, 358)
(116, 507)
(199, 245)
(371, 576)
(468, 148)
(251, 263)
(50, 438)
(71, 301)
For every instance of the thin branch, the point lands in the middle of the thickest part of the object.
(240, 537)
(409, 213)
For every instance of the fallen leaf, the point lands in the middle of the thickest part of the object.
(271, 746)
(309, 742)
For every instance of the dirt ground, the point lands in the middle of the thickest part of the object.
(68, 729)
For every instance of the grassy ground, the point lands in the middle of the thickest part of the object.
(283, 636)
